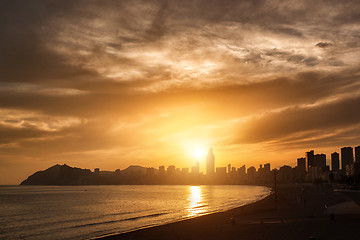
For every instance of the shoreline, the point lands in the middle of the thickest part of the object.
(244, 209)
(300, 214)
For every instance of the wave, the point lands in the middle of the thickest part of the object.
(119, 220)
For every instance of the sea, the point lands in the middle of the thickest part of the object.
(85, 212)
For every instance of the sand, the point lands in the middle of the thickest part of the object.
(302, 212)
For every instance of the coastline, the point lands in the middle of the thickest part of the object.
(249, 208)
(94, 211)
(300, 214)
(246, 206)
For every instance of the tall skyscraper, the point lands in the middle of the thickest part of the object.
(242, 170)
(319, 160)
(195, 169)
(171, 170)
(335, 162)
(347, 157)
(301, 163)
(210, 163)
(357, 154)
(162, 170)
(267, 167)
(309, 159)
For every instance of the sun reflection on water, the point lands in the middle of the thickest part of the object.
(196, 205)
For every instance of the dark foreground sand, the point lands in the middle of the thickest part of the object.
(302, 213)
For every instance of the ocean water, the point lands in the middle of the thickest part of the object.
(83, 212)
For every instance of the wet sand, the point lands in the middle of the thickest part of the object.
(301, 213)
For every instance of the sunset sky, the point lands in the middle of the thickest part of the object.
(110, 84)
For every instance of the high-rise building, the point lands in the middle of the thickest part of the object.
(162, 170)
(267, 167)
(229, 168)
(251, 172)
(150, 171)
(195, 169)
(347, 157)
(242, 170)
(185, 171)
(171, 170)
(221, 170)
(357, 154)
(335, 163)
(319, 160)
(301, 163)
(309, 159)
(210, 162)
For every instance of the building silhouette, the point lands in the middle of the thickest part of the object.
(335, 162)
(171, 170)
(357, 154)
(267, 167)
(347, 158)
(355, 171)
(301, 163)
(242, 170)
(195, 169)
(210, 162)
(185, 171)
(162, 171)
(319, 160)
(251, 172)
(229, 168)
(221, 171)
(309, 160)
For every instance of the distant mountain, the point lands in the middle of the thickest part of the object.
(134, 169)
(66, 175)
(61, 175)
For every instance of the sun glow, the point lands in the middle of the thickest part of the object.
(197, 152)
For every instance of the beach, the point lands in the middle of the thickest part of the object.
(300, 212)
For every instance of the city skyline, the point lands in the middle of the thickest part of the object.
(309, 169)
(336, 162)
(304, 166)
(157, 82)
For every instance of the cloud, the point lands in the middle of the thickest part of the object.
(323, 44)
(333, 116)
(11, 135)
(118, 77)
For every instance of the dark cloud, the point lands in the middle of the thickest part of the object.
(323, 44)
(311, 61)
(24, 57)
(288, 31)
(324, 138)
(13, 135)
(278, 125)
(304, 88)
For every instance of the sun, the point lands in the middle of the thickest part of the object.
(197, 152)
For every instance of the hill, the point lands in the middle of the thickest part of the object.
(61, 175)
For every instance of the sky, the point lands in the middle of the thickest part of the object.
(110, 84)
